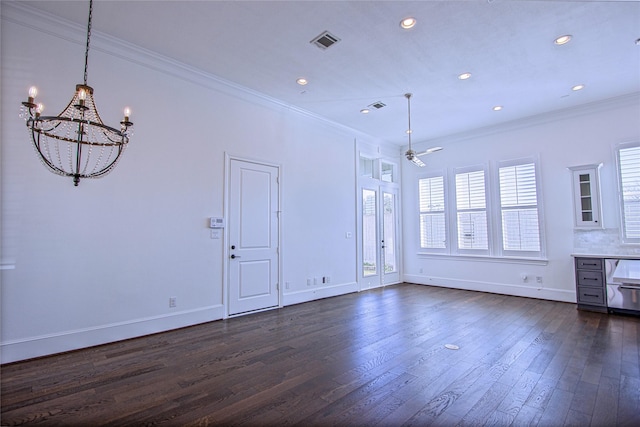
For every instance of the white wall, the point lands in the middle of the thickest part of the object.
(574, 137)
(96, 263)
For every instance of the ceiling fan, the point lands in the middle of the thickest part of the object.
(413, 156)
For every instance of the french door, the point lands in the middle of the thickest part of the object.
(379, 244)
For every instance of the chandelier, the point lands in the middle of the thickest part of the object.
(76, 143)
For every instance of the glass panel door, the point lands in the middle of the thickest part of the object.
(389, 232)
(389, 241)
(379, 260)
(369, 233)
(378, 247)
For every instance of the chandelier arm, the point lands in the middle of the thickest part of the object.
(46, 119)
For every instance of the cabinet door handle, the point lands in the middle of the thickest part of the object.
(591, 295)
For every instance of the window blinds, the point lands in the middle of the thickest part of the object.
(519, 208)
(629, 164)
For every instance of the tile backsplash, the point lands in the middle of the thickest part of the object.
(602, 241)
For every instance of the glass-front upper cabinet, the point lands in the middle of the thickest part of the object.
(586, 196)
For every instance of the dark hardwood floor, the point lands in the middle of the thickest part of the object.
(370, 358)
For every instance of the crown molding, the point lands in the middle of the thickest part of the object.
(36, 20)
(631, 99)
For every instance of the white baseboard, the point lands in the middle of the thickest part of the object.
(318, 293)
(28, 348)
(496, 288)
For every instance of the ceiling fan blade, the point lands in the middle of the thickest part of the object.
(416, 161)
(428, 151)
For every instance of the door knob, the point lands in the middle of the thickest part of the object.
(233, 256)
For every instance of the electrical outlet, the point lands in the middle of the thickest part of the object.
(308, 282)
(172, 301)
(538, 279)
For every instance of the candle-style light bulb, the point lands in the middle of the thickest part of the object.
(39, 109)
(29, 104)
(126, 123)
(82, 95)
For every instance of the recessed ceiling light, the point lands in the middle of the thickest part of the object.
(638, 42)
(407, 23)
(577, 87)
(302, 81)
(497, 108)
(365, 111)
(563, 39)
(464, 76)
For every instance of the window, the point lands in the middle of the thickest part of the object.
(366, 167)
(496, 211)
(471, 211)
(387, 172)
(628, 157)
(433, 232)
(519, 208)
(377, 169)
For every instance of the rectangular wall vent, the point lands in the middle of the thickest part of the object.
(325, 40)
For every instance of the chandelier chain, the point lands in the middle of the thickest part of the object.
(86, 53)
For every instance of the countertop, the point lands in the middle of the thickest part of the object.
(627, 271)
(599, 255)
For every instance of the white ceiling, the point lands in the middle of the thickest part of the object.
(506, 45)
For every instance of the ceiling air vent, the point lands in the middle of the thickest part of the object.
(378, 105)
(325, 40)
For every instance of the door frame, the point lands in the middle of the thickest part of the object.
(228, 158)
(375, 183)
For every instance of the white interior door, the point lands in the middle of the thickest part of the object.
(253, 225)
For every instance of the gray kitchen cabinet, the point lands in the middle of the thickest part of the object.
(590, 284)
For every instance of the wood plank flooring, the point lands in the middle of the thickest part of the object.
(369, 358)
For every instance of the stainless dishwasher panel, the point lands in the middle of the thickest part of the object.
(625, 296)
